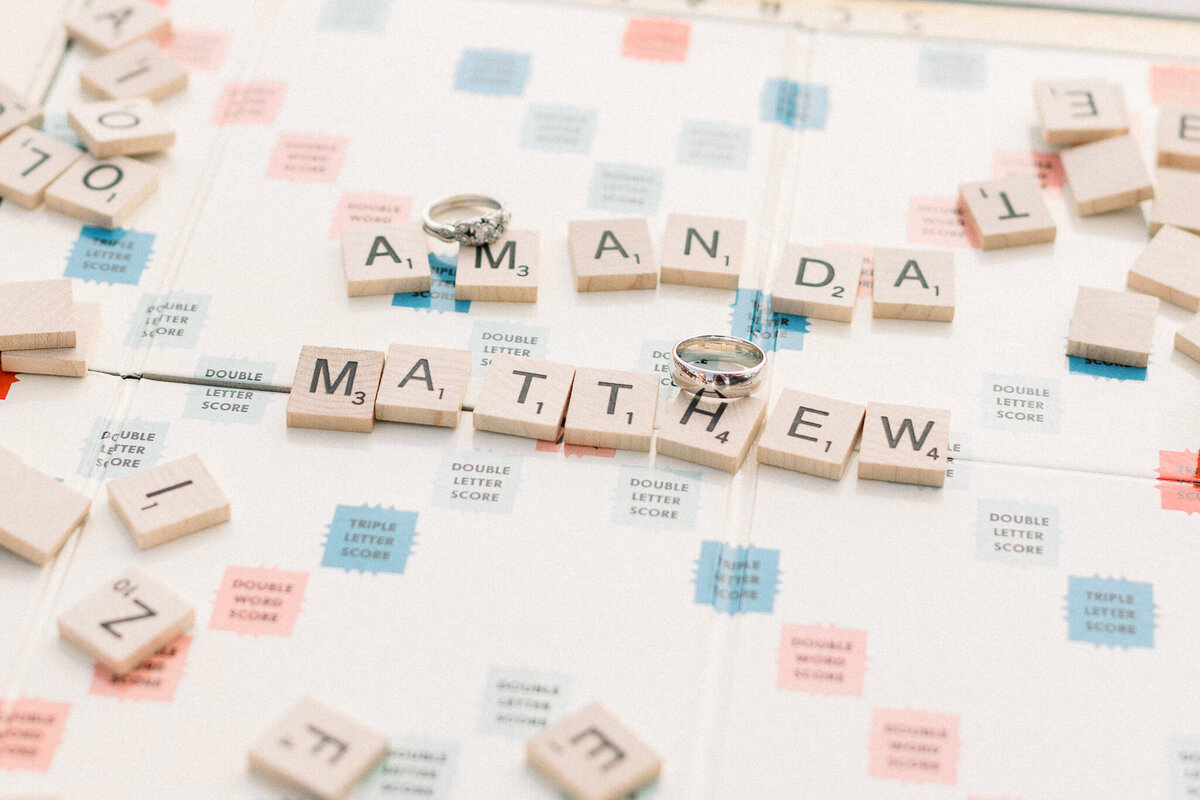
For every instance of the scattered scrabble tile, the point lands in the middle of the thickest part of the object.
(505, 270)
(703, 251)
(1107, 175)
(612, 408)
(1176, 200)
(36, 315)
(70, 362)
(29, 162)
(1178, 139)
(109, 25)
(713, 432)
(1117, 327)
(1187, 339)
(1169, 268)
(818, 282)
(102, 192)
(524, 397)
(37, 513)
(904, 444)
(334, 389)
(423, 385)
(384, 259)
(811, 434)
(17, 112)
(612, 254)
(139, 70)
(121, 127)
(914, 284)
(318, 750)
(591, 755)
(1007, 213)
(126, 621)
(168, 501)
(1079, 111)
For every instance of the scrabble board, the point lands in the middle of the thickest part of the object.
(1030, 629)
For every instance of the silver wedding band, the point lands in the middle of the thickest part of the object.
(693, 361)
(471, 231)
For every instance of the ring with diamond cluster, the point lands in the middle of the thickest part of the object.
(472, 231)
(697, 365)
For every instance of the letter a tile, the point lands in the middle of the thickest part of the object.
(612, 254)
(423, 385)
(591, 755)
(710, 431)
(108, 25)
(384, 259)
(904, 444)
(612, 408)
(914, 284)
(168, 501)
(334, 389)
(524, 397)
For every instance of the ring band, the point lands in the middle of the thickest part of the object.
(690, 356)
(470, 231)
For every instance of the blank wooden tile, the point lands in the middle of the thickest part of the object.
(819, 282)
(318, 750)
(505, 270)
(612, 254)
(1187, 339)
(385, 259)
(121, 127)
(1117, 327)
(612, 408)
(811, 434)
(334, 389)
(524, 397)
(904, 444)
(102, 192)
(126, 620)
(37, 513)
(1176, 200)
(108, 25)
(29, 162)
(914, 284)
(70, 362)
(1107, 175)
(592, 755)
(1169, 268)
(16, 111)
(1178, 137)
(36, 315)
(709, 431)
(423, 385)
(703, 251)
(1079, 111)
(1007, 213)
(139, 70)
(168, 501)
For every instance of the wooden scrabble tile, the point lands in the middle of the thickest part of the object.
(524, 397)
(904, 444)
(914, 284)
(168, 501)
(1007, 213)
(35, 315)
(102, 192)
(703, 251)
(139, 70)
(592, 755)
(17, 112)
(37, 513)
(70, 362)
(612, 408)
(334, 389)
(818, 282)
(126, 620)
(1176, 200)
(505, 270)
(1178, 137)
(1107, 175)
(108, 25)
(1079, 111)
(318, 750)
(1117, 327)
(811, 434)
(1187, 339)
(121, 127)
(29, 162)
(612, 254)
(1169, 268)
(710, 431)
(423, 385)
(384, 259)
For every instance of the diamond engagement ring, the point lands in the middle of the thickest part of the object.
(471, 231)
(702, 364)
